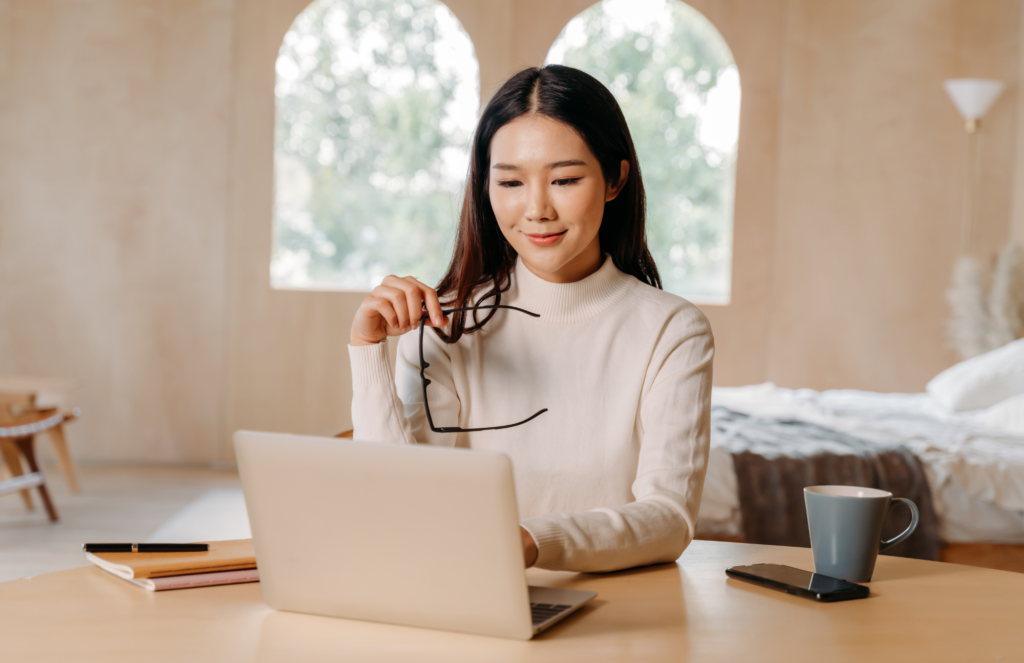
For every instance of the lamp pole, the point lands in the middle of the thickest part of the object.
(972, 97)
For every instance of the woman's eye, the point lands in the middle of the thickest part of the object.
(509, 183)
(567, 181)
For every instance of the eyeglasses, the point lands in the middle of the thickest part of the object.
(423, 375)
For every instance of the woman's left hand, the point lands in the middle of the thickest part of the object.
(529, 547)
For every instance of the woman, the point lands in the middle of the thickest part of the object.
(610, 476)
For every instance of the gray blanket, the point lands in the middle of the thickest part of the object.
(775, 459)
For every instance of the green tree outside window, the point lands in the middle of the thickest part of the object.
(678, 86)
(376, 105)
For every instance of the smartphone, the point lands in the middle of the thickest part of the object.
(799, 582)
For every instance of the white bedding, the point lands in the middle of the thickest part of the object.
(976, 473)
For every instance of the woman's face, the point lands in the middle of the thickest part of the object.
(548, 194)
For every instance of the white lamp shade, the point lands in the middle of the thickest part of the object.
(973, 96)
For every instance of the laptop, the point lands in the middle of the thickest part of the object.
(402, 534)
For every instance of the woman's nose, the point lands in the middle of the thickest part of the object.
(539, 207)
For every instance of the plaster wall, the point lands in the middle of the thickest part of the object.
(136, 153)
(113, 183)
(872, 168)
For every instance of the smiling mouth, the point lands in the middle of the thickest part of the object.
(545, 239)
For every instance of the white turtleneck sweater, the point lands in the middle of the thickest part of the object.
(611, 475)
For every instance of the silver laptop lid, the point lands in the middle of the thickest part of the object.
(414, 535)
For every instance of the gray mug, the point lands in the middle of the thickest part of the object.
(846, 529)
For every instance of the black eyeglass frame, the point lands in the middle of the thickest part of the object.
(424, 365)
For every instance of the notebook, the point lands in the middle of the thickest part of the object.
(226, 562)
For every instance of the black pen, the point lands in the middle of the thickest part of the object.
(144, 547)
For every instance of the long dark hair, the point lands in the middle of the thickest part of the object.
(482, 254)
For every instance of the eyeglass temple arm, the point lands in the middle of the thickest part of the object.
(456, 429)
(424, 365)
(473, 308)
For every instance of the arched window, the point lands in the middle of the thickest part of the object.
(376, 105)
(679, 89)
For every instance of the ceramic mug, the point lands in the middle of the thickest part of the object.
(846, 529)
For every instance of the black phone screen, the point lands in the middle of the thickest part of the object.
(799, 582)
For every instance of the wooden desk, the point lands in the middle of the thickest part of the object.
(675, 612)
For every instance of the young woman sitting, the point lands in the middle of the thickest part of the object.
(597, 384)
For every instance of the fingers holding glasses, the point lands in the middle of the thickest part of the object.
(428, 298)
(418, 297)
(393, 308)
(413, 300)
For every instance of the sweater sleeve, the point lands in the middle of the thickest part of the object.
(674, 428)
(388, 410)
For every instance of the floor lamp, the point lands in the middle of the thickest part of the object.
(972, 97)
(970, 326)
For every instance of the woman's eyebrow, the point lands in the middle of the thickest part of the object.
(568, 162)
(557, 164)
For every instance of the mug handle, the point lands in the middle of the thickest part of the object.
(914, 517)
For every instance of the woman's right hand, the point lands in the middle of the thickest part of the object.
(394, 308)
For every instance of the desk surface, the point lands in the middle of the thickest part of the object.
(673, 612)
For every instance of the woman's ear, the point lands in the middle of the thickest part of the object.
(614, 188)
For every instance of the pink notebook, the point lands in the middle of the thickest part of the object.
(198, 580)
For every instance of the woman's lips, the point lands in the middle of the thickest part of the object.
(546, 239)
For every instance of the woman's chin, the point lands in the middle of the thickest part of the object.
(545, 262)
(550, 263)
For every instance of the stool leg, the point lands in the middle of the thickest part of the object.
(24, 444)
(60, 445)
(10, 455)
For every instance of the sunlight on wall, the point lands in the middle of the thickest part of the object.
(678, 86)
(376, 107)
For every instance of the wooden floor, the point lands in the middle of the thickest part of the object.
(116, 503)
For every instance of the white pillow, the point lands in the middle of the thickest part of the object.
(981, 381)
(1008, 415)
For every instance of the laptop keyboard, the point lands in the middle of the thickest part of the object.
(545, 611)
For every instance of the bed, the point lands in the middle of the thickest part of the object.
(975, 473)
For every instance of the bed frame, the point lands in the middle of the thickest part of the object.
(987, 555)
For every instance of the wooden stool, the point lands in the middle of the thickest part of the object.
(20, 422)
(46, 394)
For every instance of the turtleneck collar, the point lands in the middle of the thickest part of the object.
(570, 303)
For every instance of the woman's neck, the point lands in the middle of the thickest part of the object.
(569, 303)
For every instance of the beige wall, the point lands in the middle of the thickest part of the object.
(113, 174)
(1017, 91)
(871, 170)
(136, 148)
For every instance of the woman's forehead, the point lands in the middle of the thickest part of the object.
(536, 140)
